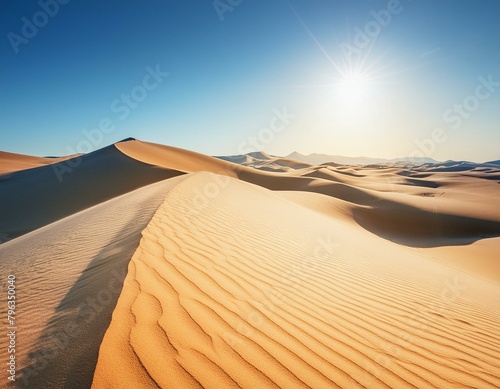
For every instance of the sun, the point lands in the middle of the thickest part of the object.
(353, 99)
(353, 87)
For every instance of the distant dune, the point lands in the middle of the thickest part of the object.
(143, 266)
(10, 162)
(318, 159)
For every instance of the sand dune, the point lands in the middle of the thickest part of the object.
(175, 158)
(187, 161)
(257, 271)
(10, 162)
(69, 276)
(414, 205)
(318, 159)
(33, 198)
(258, 291)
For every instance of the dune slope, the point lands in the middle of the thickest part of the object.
(30, 199)
(69, 275)
(235, 286)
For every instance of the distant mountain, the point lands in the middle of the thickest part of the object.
(243, 158)
(318, 159)
(263, 161)
(493, 162)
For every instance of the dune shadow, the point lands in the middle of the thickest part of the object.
(492, 177)
(108, 169)
(66, 352)
(422, 183)
(414, 227)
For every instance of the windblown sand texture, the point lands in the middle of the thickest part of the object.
(255, 271)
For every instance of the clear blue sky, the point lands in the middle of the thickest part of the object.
(352, 81)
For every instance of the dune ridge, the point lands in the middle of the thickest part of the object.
(33, 198)
(69, 275)
(254, 290)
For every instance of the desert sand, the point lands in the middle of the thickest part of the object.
(150, 266)
(10, 162)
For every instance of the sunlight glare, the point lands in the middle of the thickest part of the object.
(353, 88)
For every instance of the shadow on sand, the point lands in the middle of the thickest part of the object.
(81, 319)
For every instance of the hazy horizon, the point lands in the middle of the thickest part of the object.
(375, 79)
(271, 154)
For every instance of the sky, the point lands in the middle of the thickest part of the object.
(222, 77)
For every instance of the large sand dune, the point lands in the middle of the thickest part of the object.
(255, 271)
(33, 198)
(257, 291)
